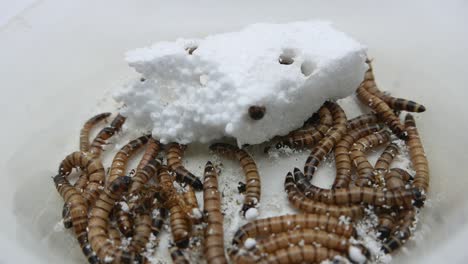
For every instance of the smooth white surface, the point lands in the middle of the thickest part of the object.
(59, 57)
(205, 95)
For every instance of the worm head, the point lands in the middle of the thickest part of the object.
(257, 112)
(121, 184)
(419, 197)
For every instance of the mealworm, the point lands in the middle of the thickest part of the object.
(257, 112)
(325, 145)
(301, 254)
(142, 229)
(306, 205)
(192, 204)
(78, 209)
(124, 220)
(265, 227)
(177, 255)
(157, 220)
(99, 223)
(342, 157)
(175, 152)
(308, 137)
(143, 175)
(92, 167)
(179, 220)
(252, 177)
(361, 121)
(395, 103)
(214, 232)
(119, 163)
(383, 110)
(151, 152)
(400, 198)
(114, 235)
(84, 133)
(417, 155)
(363, 167)
(103, 135)
(402, 232)
(386, 158)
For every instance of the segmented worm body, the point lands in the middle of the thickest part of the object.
(92, 167)
(124, 219)
(142, 229)
(101, 139)
(307, 205)
(400, 198)
(402, 232)
(301, 254)
(114, 235)
(214, 232)
(365, 175)
(310, 136)
(78, 210)
(152, 150)
(84, 133)
(342, 158)
(99, 224)
(143, 175)
(386, 158)
(119, 163)
(179, 220)
(326, 144)
(177, 255)
(174, 153)
(397, 104)
(417, 155)
(192, 204)
(252, 177)
(360, 121)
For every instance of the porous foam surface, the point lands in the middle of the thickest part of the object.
(201, 89)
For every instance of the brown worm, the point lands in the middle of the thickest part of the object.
(119, 163)
(101, 139)
(192, 204)
(92, 167)
(342, 158)
(114, 235)
(252, 177)
(143, 175)
(178, 214)
(383, 110)
(365, 175)
(78, 210)
(302, 138)
(400, 198)
(214, 232)
(84, 133)
(397, 104)
(142, 229)
(306, 205)
(175, 152)
(360, 121)
(301, 254)
(177, 255)
(124, 220)
(386, 158)
(325, 145)
(152, 150)
(417, 155)
(157, 220)
(257, 112)
(99, 224)
(402, 232)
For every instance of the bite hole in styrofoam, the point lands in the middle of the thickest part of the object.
(287, 57)
(307, 67)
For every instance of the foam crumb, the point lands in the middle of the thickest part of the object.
(250, 243)
(356, 255)
(251, 214)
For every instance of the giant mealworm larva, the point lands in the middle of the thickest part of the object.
(342, 157)
(383, 110)
(177, 255)
(252, 177)
(192, 204)
(365, 175)
(306, 205)
(386, 158)
(395, 103)
(84, 133)
(179, 220)
(124, 220)
(214, 232)
(151, 152)
(142, 229)
(119, 163)
(78, 210)
(114, 235)
(401, 198)
(361, 121)
(143, 175)
(417, 155)
(99, 222)
(174, 154)
(92, 167)
(402, 232)
(308, 137)
(103, 135)
(326, 144)
(301, 254)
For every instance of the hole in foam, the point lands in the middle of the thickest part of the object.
(287, 57)
(204, 79)
(307, 68)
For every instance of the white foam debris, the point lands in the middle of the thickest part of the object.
(290, 69)
(251, 214)
(356, 255)
(250, 243)
(124, 206)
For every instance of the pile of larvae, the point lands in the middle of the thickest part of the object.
(103, 208)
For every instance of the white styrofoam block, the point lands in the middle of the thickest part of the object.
(206, 95)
